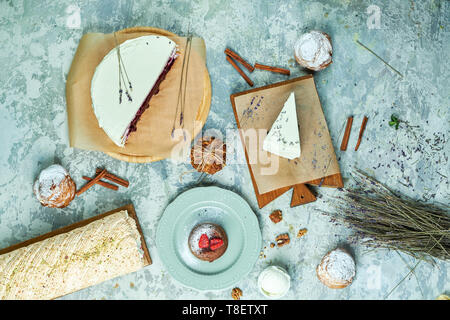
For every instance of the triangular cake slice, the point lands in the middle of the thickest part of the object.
(283, 138)
(145, 62)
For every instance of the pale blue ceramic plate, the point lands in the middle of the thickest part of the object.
(219, 206)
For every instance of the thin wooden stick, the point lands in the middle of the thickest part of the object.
(272, 69)
(395, 70)
(103, 184)
(239, 59)
(120, 71)
(92, 182)
(114, 178)
(250, 82)
(348, 129)
(201, 177)
(361, 131)
(185, 86)
(329, 161)
(180, 90)
(404, 278)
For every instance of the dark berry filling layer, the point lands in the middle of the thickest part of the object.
(132, 127)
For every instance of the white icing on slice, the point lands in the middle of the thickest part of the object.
(283, 138)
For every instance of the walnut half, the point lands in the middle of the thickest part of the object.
(301, 232)
(282, 239)
(236, 294)
(276, 216)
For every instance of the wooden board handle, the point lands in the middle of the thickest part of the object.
(302, 195)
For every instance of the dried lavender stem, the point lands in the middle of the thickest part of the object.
(179, 99)
(185, 80)
(383, 219)
(395, 70)
(121, 76)
(120, 71)
(126, 74)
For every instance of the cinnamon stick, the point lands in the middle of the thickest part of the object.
(239, 59)
(92, 182)
(103, 184)
(250, 82)
(348, 128)
(361, 131)
(111, 177)
(272, 69)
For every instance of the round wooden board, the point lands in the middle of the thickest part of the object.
(203, 109)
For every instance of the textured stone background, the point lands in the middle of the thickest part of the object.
(39, 38)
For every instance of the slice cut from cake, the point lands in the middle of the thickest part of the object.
(283, 138)
(126, 79)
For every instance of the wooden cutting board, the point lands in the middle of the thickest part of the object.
(131, 212)
(79, 224)
(203, 109)
(301, 193)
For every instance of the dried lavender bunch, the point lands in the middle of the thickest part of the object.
(382, 219)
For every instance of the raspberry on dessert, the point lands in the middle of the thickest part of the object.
(216, 243)
(203, 243)
(208, 241)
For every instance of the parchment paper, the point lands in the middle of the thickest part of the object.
(317, 158)
(153, 135)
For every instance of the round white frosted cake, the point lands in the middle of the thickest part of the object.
(337, 269)
(54, 187)
(313, 50)
(126, 79)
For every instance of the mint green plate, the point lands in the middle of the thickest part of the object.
(219, 206)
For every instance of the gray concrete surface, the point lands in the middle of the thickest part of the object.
(39, 38)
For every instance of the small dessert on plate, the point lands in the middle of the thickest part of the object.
(208, 241)
(125, 81)
(54, 187)
(283, 138)
(208, 155)
(313, 50)
(337, 269)
(274, 282)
